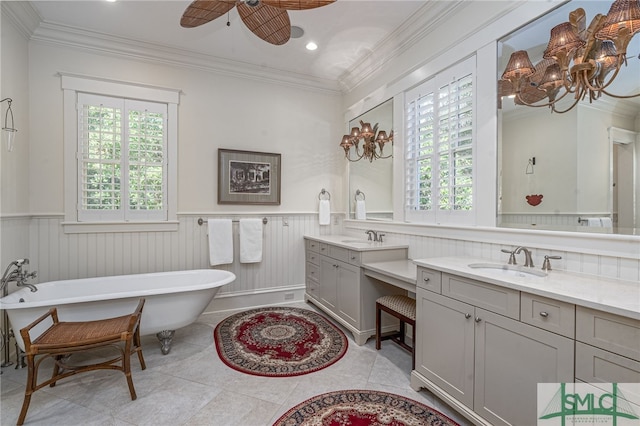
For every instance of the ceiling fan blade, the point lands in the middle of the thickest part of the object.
(269, 23)
(297, 4)
(200, 12)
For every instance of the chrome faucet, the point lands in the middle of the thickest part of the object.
(528, 261)
(374, 236)
(17, 275)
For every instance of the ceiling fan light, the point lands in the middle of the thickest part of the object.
(311, 46)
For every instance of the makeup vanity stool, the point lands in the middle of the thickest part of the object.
(403, 308)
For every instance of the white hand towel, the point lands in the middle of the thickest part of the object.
(250, 240)
(220, 241)
(594, 221)
(324, 212)
(361, 211)
(606, 222)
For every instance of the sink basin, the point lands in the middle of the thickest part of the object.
(508, 270)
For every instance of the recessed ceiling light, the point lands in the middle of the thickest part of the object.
(296, 32)
(311, 46)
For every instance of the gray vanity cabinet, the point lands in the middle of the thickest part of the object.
(336, 283)
(475, 353)
(607, 347)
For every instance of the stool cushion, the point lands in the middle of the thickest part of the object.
(400, 303)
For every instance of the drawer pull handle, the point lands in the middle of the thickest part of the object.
(478, 319)
(353, 258)
(467, 316)
(322, 248)
(543, 314)
(426, 280)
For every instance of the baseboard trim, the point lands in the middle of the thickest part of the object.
(254, 299)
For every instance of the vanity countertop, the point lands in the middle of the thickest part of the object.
(355, 243)
(605, 294)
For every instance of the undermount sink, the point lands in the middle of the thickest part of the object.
(509, 270)
(357, 242)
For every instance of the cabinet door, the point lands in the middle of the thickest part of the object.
(444, 347)
(348, 291)
(511, 359)
(328, 276)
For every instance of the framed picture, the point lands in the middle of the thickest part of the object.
(247, 177)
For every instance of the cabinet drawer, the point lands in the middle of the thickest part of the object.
(549, 314)
(608, 331)
(313, 271)
(323, 248)
(313, 246)
(429, 280)
(313, 257)
(595, 365)
(339, 253)
(501, 300)
(313, 288)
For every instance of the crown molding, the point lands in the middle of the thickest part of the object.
(22, 15)
(84, 40)
(31, 25)
(403, 38)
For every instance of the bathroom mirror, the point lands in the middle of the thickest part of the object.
(557, 170)
(373, 179)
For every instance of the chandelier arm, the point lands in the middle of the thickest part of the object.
(620, 96)
(553, 107)
(598, 89)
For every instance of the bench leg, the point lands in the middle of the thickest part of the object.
(378, 326)
(30, 388)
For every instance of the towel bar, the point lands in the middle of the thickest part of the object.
(358, 192)
(202, 222)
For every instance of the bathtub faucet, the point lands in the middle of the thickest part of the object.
(17, 272)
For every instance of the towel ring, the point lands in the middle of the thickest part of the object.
(323, 193)
(358, 192)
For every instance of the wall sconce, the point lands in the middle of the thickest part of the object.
(9, 130)
(372, 145)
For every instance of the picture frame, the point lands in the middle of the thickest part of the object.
(248, 177)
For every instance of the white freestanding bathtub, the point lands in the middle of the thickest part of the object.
(173, 300)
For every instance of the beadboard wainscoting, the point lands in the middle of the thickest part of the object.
(610, 256)
(279, 277)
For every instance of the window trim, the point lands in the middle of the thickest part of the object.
(73, 84)
(436, 216)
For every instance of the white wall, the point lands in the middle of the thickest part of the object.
(215, 111)
(14, 166)
(14, 175)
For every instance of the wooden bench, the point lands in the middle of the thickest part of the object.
(62, 339)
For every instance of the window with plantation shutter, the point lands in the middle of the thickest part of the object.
(122, 161)
(439, 147)
(120, 152)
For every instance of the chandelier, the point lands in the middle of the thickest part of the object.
(578, 60)
(373, 142)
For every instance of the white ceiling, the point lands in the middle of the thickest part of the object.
(346, 31)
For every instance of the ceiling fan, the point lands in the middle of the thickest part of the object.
(268, 19)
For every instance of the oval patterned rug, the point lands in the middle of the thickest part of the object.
(362, 408)
(279, 342)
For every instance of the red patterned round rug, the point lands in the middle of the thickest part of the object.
(279, 342)
(362, 408)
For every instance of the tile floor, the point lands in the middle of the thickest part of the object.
(191, 386)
